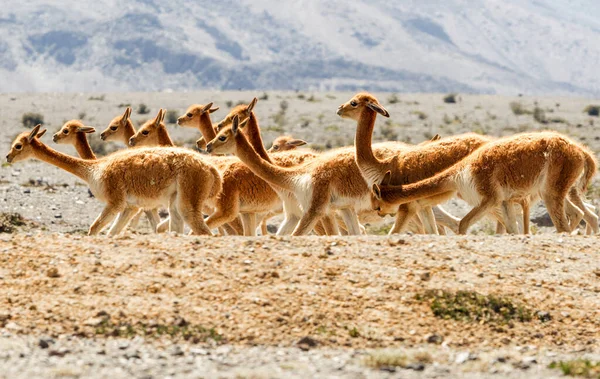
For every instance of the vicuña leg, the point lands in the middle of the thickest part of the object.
(475, 214)
(123, 219)
(108, 214)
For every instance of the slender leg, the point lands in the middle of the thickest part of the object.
(237, 225)
(351, 220)
(153, 218)
(404, 215)
(123, 219)
(428, 219)
(556, 210)
(590, 217)
(446, 219)
(109, 212)
(320, 229)
(249, 222)
(176, 223)
(510, 219)
(135, 220)
(331, 225)
(475, 214)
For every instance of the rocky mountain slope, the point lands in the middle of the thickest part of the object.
(509, 47)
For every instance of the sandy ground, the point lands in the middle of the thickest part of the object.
(76, 306)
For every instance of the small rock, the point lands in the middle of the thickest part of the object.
(58, 215)
(464, 356)
(123, 345)
(58, 353)
(27, 190)
(44, 343)
(306, 343)
(387, 368)
(12, 326)
(415, 366)
(197, 351)
(5, 317)
(94, 321)
(53, 273)
(544, 316)
(426, 276)
(435, 338)
(175, 351)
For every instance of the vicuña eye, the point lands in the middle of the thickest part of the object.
(222, 138)
(145, 132)
(189, 115)
(353, 103)
(18, 147)
(113, 128)
(66, 131)
(275, 147)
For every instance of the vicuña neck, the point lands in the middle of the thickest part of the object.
(364, 137)
(433, 186)
(76, 166)
(83, 146)
(275, 175)
(206, 127)
(255, 139)
(163, 137)
(128, 132)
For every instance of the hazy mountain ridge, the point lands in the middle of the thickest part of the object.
(410, 46)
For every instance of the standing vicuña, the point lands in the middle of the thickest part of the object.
(545, 164)
(134, 178)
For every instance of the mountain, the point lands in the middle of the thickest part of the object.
(485, 46)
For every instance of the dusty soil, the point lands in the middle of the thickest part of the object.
(344, 293)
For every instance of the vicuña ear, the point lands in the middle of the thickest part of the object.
(126, 114)
(212, 110)
(40, 134)
(379, 109)
(158, 118)
(34, 132)
(206, 108)
(85, 129)
(387, 179)
(164, 113)
(251, 105)
(377, 191)
(235, 125)
(201, 143)
(435, 138)
(296, 142)
(244, 123)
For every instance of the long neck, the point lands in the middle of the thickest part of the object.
(275, 175)
(255, 139)
(206, 127)
(79, 167)
(128, 132)
(433, 186)
(363, 139)
(83, 146)
(163, 137)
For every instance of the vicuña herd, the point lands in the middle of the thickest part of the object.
(242, 185)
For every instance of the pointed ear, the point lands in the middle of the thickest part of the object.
(40, 134)
(207, 107)
(164, 113)
(387, 179)
(158, 118)
(85, 129)
(435, 138)
(379, 109)
(212, 110)
(235, 125)
(201, 143)
(296, 142)
(34, 132)
(251, 105)
(244, 123)
(127, 114)
(376, 191)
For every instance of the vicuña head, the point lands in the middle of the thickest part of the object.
(285, 143)
(21, 148)
(71, 131)
(191, 118)
(152, 133)
(224, 142)
(242, 111)
(353, 108)
(119, 129)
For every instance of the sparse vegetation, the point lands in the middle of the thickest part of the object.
(451, 98)
(301, 96)
(393, 99)
(388, 131)
(124, 105)
(171, 116)
(81, 115)
(229, 103)
(592, 110)
(312, 99)
(518, 109)
(579, 367)
(143, 109)
(354, 333)
(264, 96)
(472, 306)
(420, 114)
(31, 119)
(10, 221)
(97, 98)
(387, 358)
(539, 115)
